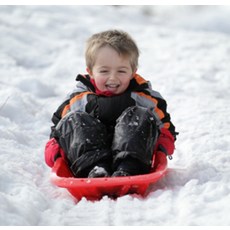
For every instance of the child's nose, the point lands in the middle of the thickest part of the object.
(113, 76)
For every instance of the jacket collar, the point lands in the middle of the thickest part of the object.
(136, 84)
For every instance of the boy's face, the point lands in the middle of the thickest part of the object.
(112, 72)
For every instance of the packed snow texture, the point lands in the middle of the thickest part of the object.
(185, 53)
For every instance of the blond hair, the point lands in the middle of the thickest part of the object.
(118, 40)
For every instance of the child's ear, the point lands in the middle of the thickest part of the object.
(89, 71)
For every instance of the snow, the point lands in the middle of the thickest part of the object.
(185, 53)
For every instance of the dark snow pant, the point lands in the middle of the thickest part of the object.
(85, 140)
(135, 136)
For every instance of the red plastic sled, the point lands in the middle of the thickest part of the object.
(96, 188)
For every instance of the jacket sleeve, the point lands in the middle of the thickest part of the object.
(167, 136)
(167, 132)
(149, 98)
(58, 115)
(76, 101)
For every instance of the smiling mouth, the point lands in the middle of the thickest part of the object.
(112, 86)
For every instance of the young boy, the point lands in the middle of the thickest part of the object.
(113, 122)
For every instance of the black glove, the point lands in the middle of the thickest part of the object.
(108, 109)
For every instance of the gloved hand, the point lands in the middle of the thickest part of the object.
(165, 143)
(52, 152)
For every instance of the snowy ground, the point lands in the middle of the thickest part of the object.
(185, 53)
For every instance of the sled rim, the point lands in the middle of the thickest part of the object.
(73, 182)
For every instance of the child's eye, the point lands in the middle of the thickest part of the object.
(103, 71)
(122, 71)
